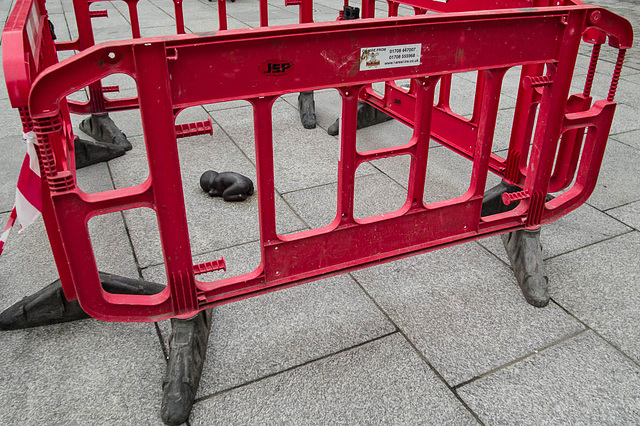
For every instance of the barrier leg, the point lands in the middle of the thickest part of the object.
(187, 349)
(49, 306)
(523, 248)
(102, 128)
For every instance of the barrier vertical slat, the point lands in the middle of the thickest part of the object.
(347, 163)
(264, 13)
(156, 111)
(133, 17)
(477, 102)
(522, 128)
(552, 106)
(445, 91)
(491, 87)
(177, 5)
(263, 129)
(222, 14)
(424, 90)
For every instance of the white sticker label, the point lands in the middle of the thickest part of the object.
(402, 55)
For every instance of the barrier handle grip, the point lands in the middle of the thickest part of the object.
(618, 29)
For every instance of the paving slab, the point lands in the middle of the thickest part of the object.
(3, 86)
(631, 138)
(10, 124)
(617, 183)
(201, 25)
(14, 149)
(625, 119)
(628, 214)
(581, 381)
(60, 24)
(598, 284)
(383, 382)
(502, 133)
(384, 135)
(460, 307)
(582, 227)
(85, 372)
(463, 310)
(449, 175)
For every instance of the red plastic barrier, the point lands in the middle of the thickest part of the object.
(345, 55)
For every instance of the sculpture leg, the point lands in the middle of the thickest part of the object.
(307, 107)
(187, 349)
(523, 248)
(49, 306)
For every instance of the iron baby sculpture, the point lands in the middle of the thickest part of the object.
(230, 186)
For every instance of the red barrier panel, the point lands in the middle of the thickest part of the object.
(349, 56)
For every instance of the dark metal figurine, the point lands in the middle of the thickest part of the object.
(230, 186)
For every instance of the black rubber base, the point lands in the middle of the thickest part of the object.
(367, 116)
(49, 306)
(102, 128)
(187, 350)
(94, 152)
(523, 248)
(307, 108)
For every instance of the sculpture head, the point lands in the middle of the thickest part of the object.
(207, 181)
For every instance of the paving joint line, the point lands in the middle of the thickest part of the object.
(522, 358)
(615, 218)
(589, 245)
(294, 367)
(615, 207)
(420, 354)
(588, 327)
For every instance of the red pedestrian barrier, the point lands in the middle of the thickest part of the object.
(561, 148)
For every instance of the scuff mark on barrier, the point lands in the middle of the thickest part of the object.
(340, 63)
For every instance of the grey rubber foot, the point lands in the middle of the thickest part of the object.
(102, 128)
(367, 116)
(187, 349)
(93, 152)
(49, 306)
(525, 255)
(307, 107)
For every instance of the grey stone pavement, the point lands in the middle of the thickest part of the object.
(440, 338)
